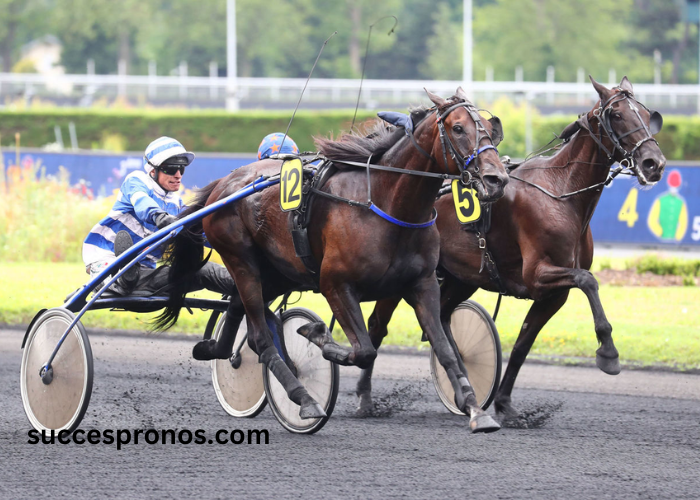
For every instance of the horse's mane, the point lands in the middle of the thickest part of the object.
(374, 140)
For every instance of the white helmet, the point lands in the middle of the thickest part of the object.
(166, 148)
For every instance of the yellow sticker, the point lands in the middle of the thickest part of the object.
(466, 203)
(290, 185)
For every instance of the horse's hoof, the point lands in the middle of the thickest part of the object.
(312, 410)
(336, 354)
(316, 333)
(483, 423)
(611, 366)
(365, 407)
(205, 350)
(506, 412)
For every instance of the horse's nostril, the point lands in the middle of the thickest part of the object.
(650, 164)
(493, 180)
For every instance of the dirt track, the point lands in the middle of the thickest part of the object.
(631, 436)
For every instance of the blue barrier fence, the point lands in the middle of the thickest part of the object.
(667, 215)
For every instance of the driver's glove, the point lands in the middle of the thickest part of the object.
(163, 219)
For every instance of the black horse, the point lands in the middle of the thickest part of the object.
(541, 241)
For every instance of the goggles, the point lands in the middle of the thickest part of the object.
(172, 169)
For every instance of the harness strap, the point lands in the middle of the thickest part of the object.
(397, 170)
(374, 208)
(607, 181)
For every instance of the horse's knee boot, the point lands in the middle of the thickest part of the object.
(364, 357)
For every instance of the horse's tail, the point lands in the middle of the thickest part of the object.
(185, 256)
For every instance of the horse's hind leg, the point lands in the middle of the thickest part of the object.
(206, 350)
(539, 314)
(425, 299)
(377, 325)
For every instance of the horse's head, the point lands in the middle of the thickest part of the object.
(468, 143)
(631, 127)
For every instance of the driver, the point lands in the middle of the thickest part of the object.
(148, 201)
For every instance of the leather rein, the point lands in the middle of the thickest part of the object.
(602, 113)
(465, 177)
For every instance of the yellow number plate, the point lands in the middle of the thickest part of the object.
(466, 203)
(290, 185)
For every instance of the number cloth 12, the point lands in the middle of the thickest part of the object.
(290, 185)
(466, 203)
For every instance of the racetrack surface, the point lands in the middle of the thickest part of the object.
(631, 436)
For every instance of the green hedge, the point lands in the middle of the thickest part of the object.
(218, 131)
(200, 131)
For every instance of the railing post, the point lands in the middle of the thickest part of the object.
(489, 80)
(657, 67)
(183, 76)
(612, 77)
(121, 87)
(73, 136)
(550, 82)
(580, 79)
(213, 77)
(152, 72)
(528, 123)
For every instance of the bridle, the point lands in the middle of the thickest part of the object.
(602, 114)
(446, 142)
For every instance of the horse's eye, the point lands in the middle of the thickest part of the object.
(617, 116)
(458, 129)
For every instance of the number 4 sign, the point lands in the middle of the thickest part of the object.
(628, 211)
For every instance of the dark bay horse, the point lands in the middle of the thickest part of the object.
(361, 256)
(541, 243)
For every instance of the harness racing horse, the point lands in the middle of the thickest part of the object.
(360, 255)
(540, 239)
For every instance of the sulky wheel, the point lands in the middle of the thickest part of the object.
(476, 338)
(238, 381)
(59, 400)
(319, 376)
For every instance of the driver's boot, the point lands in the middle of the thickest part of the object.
(127, 282)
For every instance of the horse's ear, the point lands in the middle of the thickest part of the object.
(437, 100)
(462, 94)
(496, 130)
(570, 130)
(626, 85)
(656, 121)
(602, 90)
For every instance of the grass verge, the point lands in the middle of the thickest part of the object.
(651, 325)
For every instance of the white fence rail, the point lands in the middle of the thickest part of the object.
(83, 90)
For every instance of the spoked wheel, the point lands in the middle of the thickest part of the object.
(319, 376)
(476, 338)
(238, 381)
(59, 401)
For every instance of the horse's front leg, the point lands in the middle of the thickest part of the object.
(549, 279)
(378, 328)
(539, 314)
(425, 300)
(606, 357)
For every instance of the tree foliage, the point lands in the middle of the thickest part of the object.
(282, 37)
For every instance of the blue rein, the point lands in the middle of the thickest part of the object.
(481, 150)
(381, 213)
